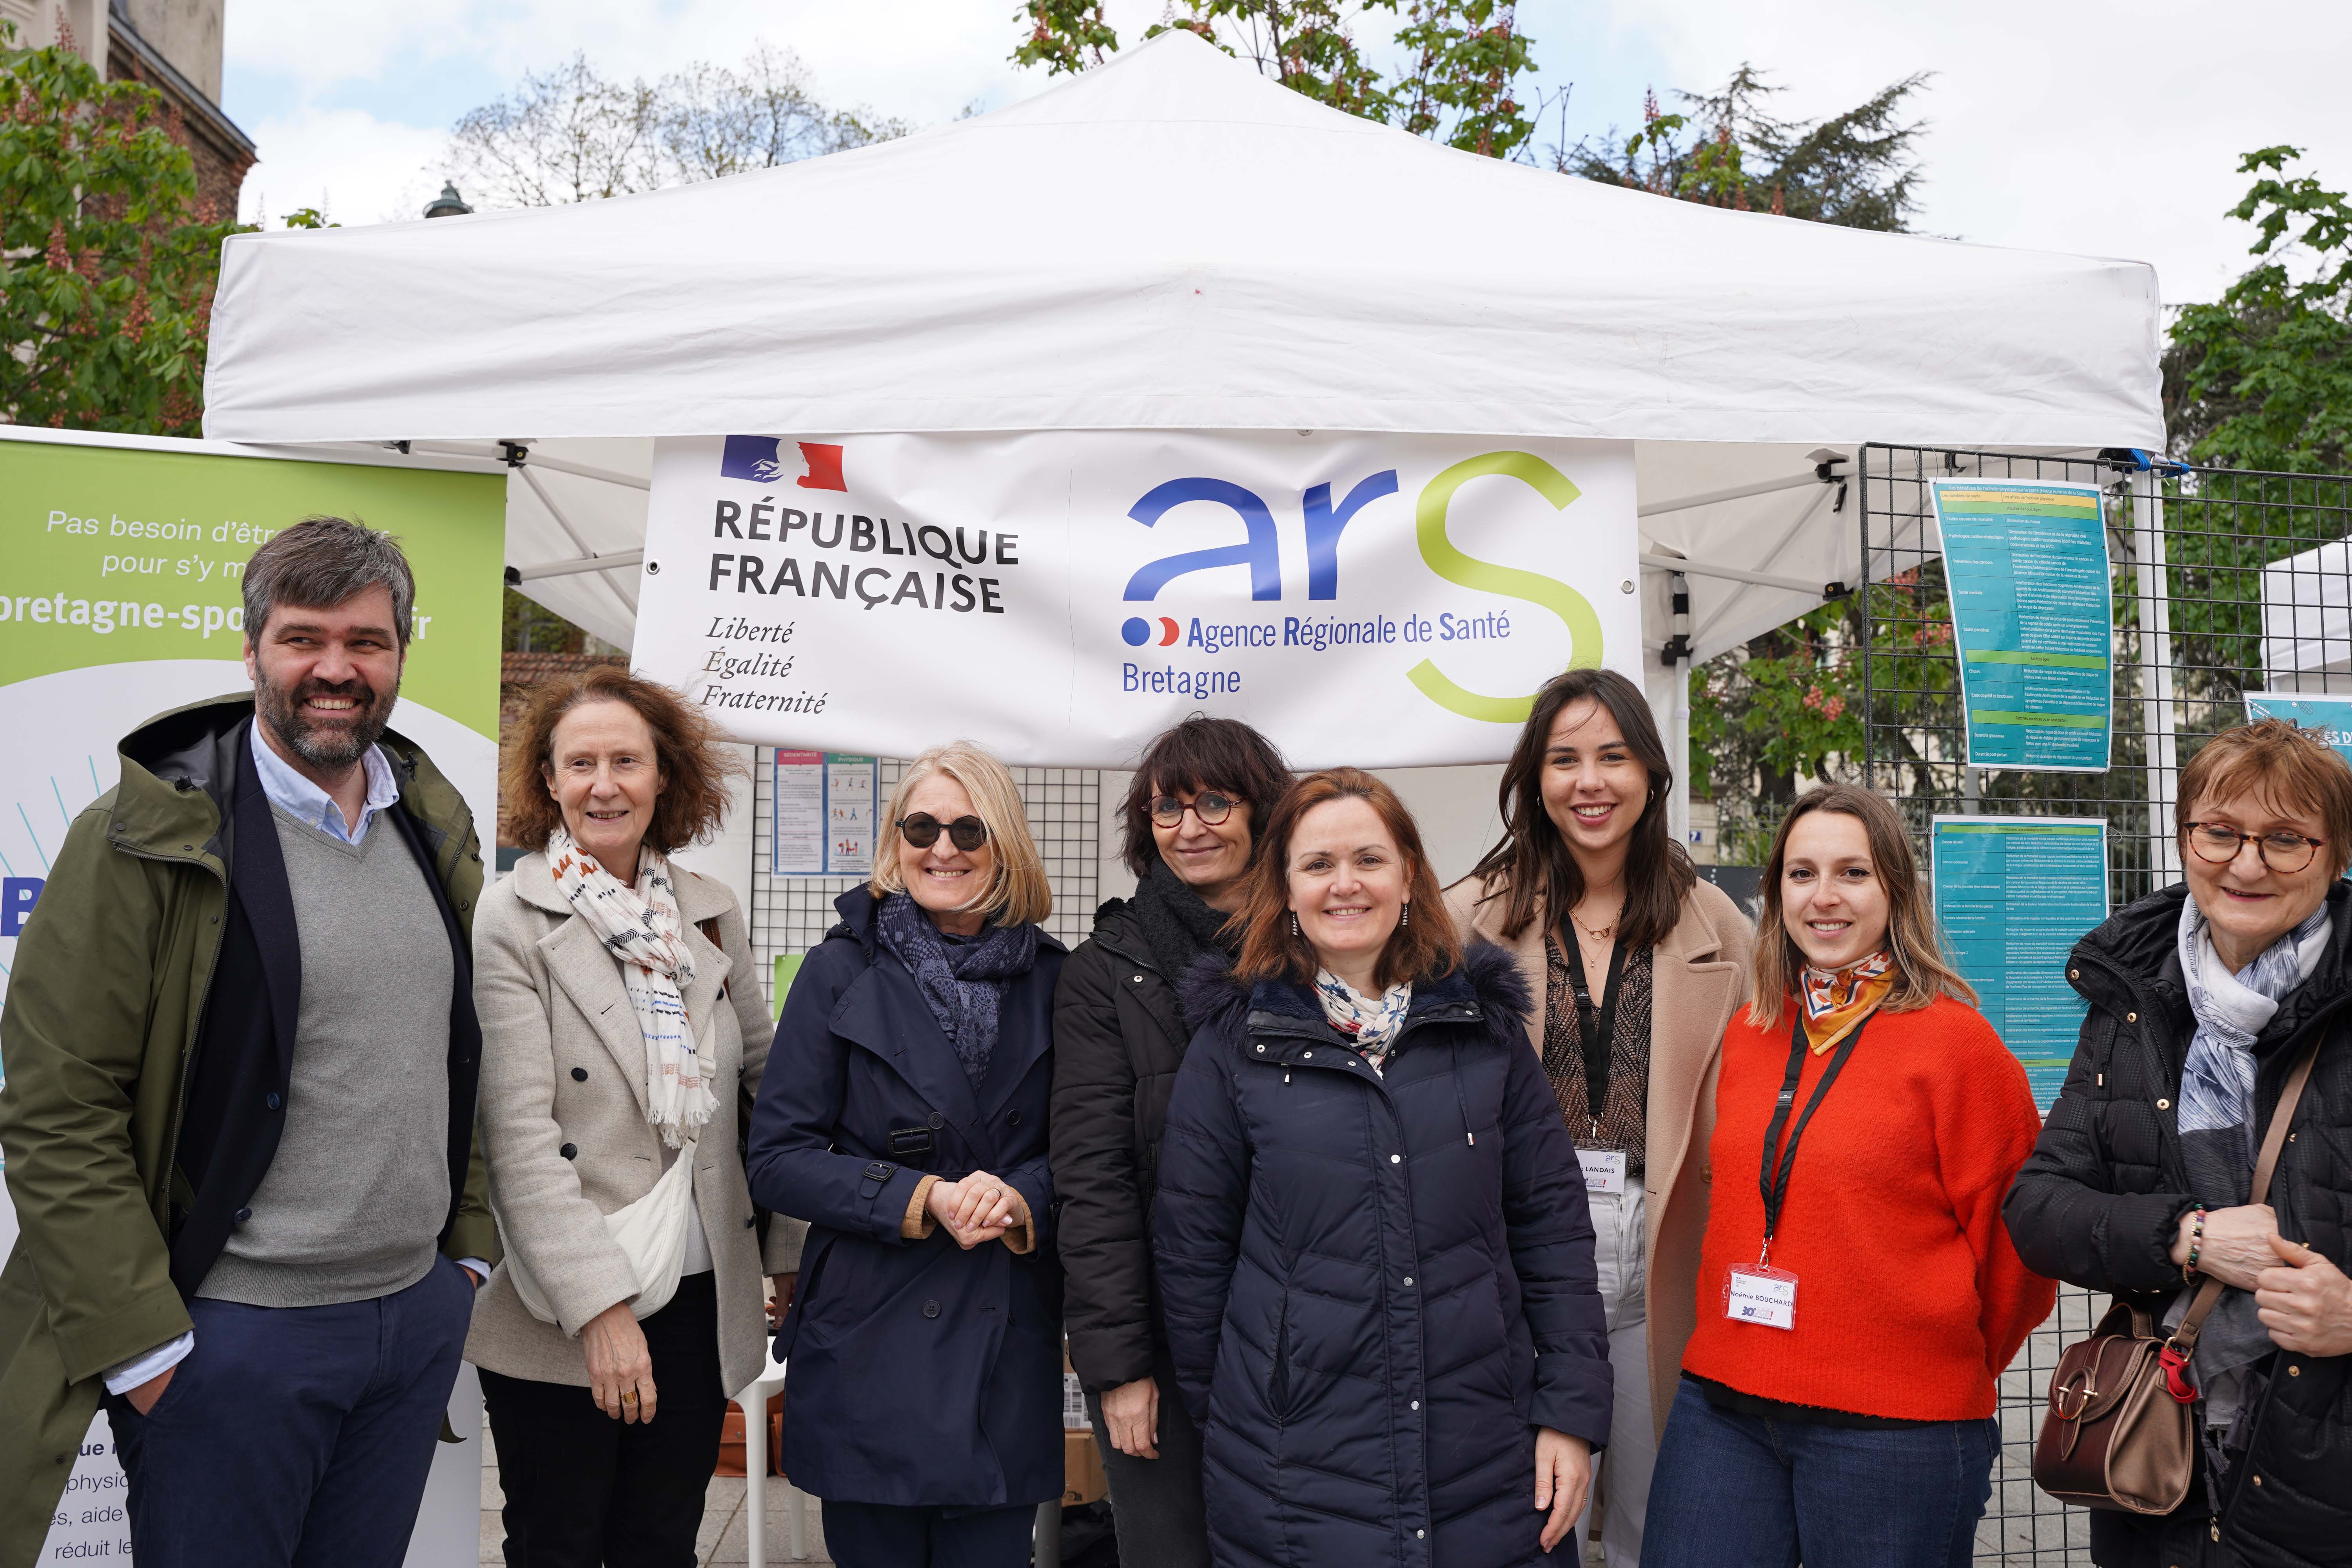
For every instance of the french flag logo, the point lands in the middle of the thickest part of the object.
(760, 459)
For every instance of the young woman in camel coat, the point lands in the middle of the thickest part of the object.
(1619, 942)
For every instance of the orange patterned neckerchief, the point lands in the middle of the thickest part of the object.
(1836, 1000)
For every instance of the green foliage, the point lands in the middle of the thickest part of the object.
(1463, 58)
(308, 218)
(1856, 169)
(528, 626)
(107, 256)
(2262, 378)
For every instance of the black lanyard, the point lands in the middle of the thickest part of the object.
(1775, 1186)
(1600, 1043)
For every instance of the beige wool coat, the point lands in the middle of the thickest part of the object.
(1699, 978)
(563, 1067)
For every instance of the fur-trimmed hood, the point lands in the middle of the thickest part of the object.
(1486, 989)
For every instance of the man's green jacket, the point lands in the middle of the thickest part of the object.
(105, 1004)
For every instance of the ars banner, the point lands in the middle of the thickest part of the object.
(1063, 596)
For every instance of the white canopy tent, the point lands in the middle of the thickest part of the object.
(1172, 241)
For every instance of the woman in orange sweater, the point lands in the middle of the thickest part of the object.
(1858, 1294)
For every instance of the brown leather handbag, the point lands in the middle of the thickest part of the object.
(2120, 1432)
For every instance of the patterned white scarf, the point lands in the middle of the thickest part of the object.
(641, 928)
(2216, 1082)
(1370, 1023)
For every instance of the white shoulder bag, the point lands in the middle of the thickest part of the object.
(651, 1232)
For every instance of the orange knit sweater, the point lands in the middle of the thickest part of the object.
(1910, 1300)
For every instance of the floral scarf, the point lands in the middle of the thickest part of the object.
(1836, 1001)
(1370, 1024)
(640, 927)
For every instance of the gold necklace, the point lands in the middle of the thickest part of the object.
(1598, 933)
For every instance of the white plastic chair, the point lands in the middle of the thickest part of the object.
(755, 1403)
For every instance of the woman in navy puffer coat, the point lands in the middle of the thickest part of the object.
(1372, 1234)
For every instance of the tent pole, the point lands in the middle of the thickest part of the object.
(2159, 721)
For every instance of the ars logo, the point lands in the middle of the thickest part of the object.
(813, 465)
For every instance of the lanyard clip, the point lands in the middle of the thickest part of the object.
(1764, 1254)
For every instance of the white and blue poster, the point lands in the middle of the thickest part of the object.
(2031, 615)
(2015, 894)
(1062, 597)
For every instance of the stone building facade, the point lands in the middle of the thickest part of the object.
(172, 46)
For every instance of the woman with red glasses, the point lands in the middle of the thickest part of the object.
(905, 1120)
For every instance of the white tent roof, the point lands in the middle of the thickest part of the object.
(1172, 241)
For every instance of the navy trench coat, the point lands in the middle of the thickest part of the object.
(1376, 1287)
(921, 1375)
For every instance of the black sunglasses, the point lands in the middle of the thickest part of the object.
(922, 830)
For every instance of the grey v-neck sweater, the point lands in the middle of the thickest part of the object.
(357, 1193)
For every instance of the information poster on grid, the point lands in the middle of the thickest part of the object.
(2027, 562)
(2014, 895)
(823, 822)
(2327, 719)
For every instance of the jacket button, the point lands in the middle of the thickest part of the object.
(1139, 980)
(2164, 1105)
(1261, 1050)
(2074, 974)
(1419, 1534)
(1416, 1405)
(1396, 1159)
(2294, 1370)
(243, 1214)
(938, 1121)
(580, 1075)
(2131, 1017)
(1408, 1280)
(272, 1100)
(1012, 1119)
(570, 1151)
(930, 1309)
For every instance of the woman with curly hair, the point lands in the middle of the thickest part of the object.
(623, 1030)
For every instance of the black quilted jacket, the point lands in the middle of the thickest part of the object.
(1117, 1042)
(2100, 1200)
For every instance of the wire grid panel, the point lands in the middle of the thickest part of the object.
(792, 914)
(2224, 582)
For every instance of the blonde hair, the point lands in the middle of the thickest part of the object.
(1922, 971)
(1018, 894)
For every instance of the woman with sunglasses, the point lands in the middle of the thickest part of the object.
(903, 1117)
(1119, 1032)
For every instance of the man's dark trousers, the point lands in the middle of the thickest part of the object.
(296, 1435)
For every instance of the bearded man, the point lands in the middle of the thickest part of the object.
(239, 1112)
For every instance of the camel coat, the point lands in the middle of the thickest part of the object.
(562, 1117)
(1699, 978)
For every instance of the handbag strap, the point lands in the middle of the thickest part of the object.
(2193, 1322)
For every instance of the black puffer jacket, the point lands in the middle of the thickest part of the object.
(2101, 1198)
(1378, 1287)
(1117, 1042)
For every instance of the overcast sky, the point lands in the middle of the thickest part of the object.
(2095, 126)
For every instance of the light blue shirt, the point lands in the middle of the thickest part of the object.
(296, 795)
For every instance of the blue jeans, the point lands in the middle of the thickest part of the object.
(296, 1435)
(1735, 1490)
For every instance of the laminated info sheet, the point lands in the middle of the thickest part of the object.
(824, 815)
(2328, 719)
(2031, 608)
(2014, 895)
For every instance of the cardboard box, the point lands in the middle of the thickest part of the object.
(1082, 1469)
